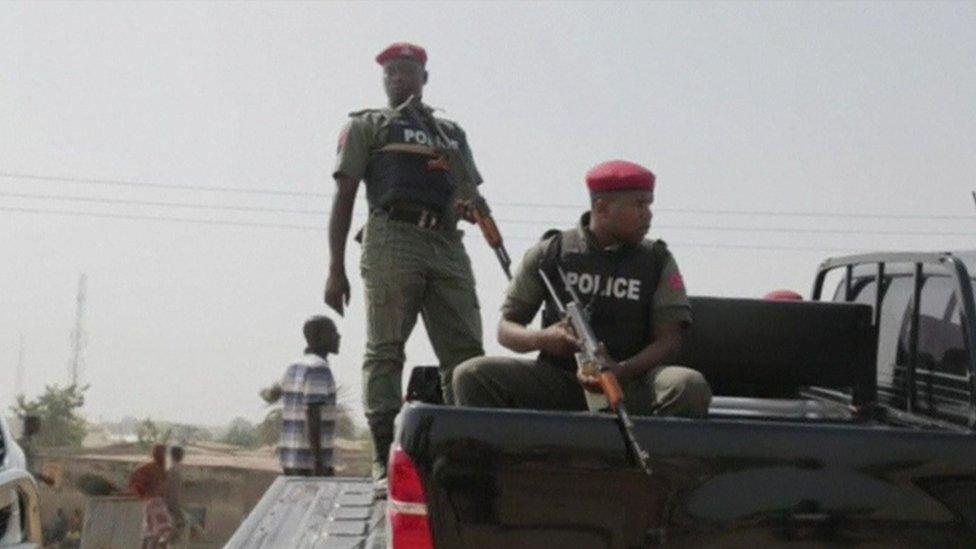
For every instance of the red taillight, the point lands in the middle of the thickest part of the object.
(406, 506)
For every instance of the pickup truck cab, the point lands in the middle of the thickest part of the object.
(836, 422)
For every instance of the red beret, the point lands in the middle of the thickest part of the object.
(783, 295)
(619, 175)
(403, 49)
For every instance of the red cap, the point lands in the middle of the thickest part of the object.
(403, 49)
(783, 295)
(619, 175)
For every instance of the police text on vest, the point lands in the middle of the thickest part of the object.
(620, 288)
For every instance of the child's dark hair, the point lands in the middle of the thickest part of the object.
(314, 327)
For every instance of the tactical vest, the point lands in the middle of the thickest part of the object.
(408, 167)
(616, 287)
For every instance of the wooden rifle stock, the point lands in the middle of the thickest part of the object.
(611, 388)
(609, 384)
(494, 238)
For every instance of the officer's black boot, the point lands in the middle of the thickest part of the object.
(381, 429)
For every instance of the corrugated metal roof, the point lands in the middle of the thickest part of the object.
(320, 513)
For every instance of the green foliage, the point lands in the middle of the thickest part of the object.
(346, 426)
(242, 432)
(269, 431)
(149, 434)
(58, 410)
(184, 433)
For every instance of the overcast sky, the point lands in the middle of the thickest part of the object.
(856, 111)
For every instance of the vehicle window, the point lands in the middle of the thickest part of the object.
(898, 293)
(894, 321)
(865, 293)
(861, 288)
(940, 336)
(941, 384)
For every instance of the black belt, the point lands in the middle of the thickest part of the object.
(425, 219)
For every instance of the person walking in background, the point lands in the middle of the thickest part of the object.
(174, 491)
(148, 483)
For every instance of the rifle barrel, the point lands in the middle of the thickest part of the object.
(627, 426)
(504, 260)
(552, 293)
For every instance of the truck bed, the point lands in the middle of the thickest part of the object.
(541, 479)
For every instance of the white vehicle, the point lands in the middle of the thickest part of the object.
(11, 454)
(20, 514)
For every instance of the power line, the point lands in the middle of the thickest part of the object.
(819, 215)
(162, 218)
(326, 213)
(278, 192)
(814, 231)
(130, 183)
(189, 205)
(764, 247)
(322, 229)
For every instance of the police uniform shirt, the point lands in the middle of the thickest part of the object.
(368, 131)
(527, 292)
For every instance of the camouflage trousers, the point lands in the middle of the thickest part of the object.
(503, 382)
(409, 271)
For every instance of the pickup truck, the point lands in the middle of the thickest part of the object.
(843, 421)
(847, 419)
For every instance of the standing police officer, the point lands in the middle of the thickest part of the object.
(413, 260)
(635, 298)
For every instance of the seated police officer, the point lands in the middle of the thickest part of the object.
(635, 299)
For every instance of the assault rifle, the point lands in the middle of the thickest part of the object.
(592, 362)
(473, 200)
(490, 231)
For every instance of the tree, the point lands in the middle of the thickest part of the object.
(58, 410)
(269, 430)
(184, 433)
(149, 433)
(345, 424)
(242, 433)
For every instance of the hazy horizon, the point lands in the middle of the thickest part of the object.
(781, 134)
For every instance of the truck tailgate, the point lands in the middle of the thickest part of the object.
(325, 513)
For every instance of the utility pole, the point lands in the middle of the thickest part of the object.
(78, 337)
(974, 197)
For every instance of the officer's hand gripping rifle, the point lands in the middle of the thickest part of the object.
(490, 231)
(592, 356)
